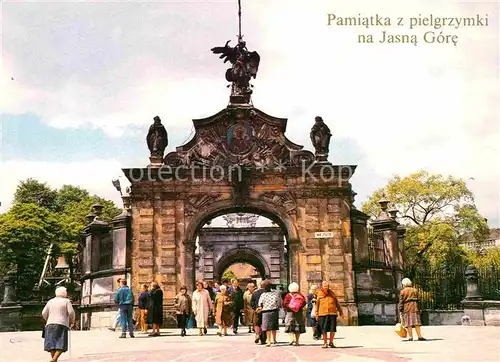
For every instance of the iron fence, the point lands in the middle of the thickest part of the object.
(489, 283)
(442, 289)
(445, 288)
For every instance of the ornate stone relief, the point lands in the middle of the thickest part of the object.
(240, 136)
(284, 200)
(195, 203)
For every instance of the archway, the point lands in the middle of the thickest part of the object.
(272, 212)
(218, 246)
(242, 255)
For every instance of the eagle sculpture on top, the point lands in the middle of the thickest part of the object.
(245, 65)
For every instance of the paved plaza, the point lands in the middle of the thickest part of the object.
(356, 344)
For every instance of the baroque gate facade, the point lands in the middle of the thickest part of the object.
(240, 160)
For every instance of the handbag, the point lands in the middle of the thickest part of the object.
(400, 330)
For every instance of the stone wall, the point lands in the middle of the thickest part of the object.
(442, 317)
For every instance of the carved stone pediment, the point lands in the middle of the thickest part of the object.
(195, 203)
(242, 136)
(283, 199)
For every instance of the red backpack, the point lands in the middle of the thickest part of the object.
(296, 302)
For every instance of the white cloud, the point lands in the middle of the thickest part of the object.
(431, 106)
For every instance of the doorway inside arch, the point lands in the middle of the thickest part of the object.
(248, 246)
(245, 273)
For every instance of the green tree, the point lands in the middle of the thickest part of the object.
(69, 195)
(31, 191)
(74, 218)
(41, 216)
(229, 274)
(439, 213)
(490, 258)
(26, 231)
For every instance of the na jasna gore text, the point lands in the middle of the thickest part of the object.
(432, 36)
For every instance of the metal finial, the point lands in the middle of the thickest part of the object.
(239, 21)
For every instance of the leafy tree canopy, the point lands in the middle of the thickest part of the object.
(39, 217)
(229, 274)
(439, 213)
(31, 191)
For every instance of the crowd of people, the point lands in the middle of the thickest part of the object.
(226, 306)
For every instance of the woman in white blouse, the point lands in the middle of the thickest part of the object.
(270, 302)
(60, 315)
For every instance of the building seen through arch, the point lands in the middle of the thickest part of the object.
(240, 240)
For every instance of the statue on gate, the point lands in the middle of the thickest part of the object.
(245, 65)
(157, 138)
(320, 138)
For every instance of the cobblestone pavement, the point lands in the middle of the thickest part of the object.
(356, 344)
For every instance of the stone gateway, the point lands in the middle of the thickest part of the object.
(259, 171)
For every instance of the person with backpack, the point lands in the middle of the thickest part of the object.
(294, 303)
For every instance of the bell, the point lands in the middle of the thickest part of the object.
(61, 263)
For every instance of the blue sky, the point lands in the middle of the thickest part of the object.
(90, 77)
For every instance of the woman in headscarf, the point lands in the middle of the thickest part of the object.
(409, 310)
(223, 309)
(59, 315)
(202, 305)
(155, 310)
(294, 303)
(270, 304)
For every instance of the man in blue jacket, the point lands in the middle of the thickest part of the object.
(125, 300)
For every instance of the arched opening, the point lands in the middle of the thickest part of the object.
(246, 256)
(228, 236)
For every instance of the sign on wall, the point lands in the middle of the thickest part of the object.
(323, 234)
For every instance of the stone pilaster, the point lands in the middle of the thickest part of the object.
(142, 243)
(401, 231)
(360, 235)
(385, 231)
(94, 232)
(121, 247)
(207, 264)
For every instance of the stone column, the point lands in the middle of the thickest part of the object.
(401, 231)
(207, 250)
(120, 229)
(360, 235)
(388, 274)
(385, 229)
(189, 262)
(473, 303)
(293, 259)
(10, 310)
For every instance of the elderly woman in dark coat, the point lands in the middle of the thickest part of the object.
(59, 315)
(155, 309)
(409, 310)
